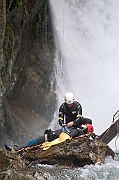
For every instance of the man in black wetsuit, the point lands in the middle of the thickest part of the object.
(70, 115)
(70, 120)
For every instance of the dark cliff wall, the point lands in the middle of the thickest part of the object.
(27, 51)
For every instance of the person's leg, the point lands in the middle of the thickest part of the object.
(57, 132)
(32, 142)
(75, 132)
(51, 135)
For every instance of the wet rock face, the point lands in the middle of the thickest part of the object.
(34, 63)
(27, 63)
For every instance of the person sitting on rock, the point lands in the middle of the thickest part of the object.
(71, 122)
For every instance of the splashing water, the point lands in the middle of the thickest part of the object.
(107, 171)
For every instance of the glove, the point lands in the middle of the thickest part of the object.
(62, 137)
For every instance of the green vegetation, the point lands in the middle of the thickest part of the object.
(26, 12)
(12, 5)
(16, 3)
(39, 16)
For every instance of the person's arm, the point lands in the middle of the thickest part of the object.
(61, 115)
(79, 109)
(81, 121)
(78, 120)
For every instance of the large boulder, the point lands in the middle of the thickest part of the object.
(78, 152)
(72, 153)
(68, 154)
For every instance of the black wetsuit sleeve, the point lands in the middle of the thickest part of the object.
(78, 121)
(81, 120)
(79, 108)
(61, 115)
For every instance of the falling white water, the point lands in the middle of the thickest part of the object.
(87, 56)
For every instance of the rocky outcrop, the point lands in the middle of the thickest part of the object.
(71, 153)
(26, 58)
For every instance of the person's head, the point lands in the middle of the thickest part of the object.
(69, 99)
(90, 128)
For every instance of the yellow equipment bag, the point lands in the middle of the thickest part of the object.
(62, 137)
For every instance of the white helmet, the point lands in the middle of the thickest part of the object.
(69, 98)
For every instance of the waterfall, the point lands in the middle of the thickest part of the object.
(87, 56)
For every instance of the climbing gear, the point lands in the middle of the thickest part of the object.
(65, 129)
(69, 98)
(62, 137)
